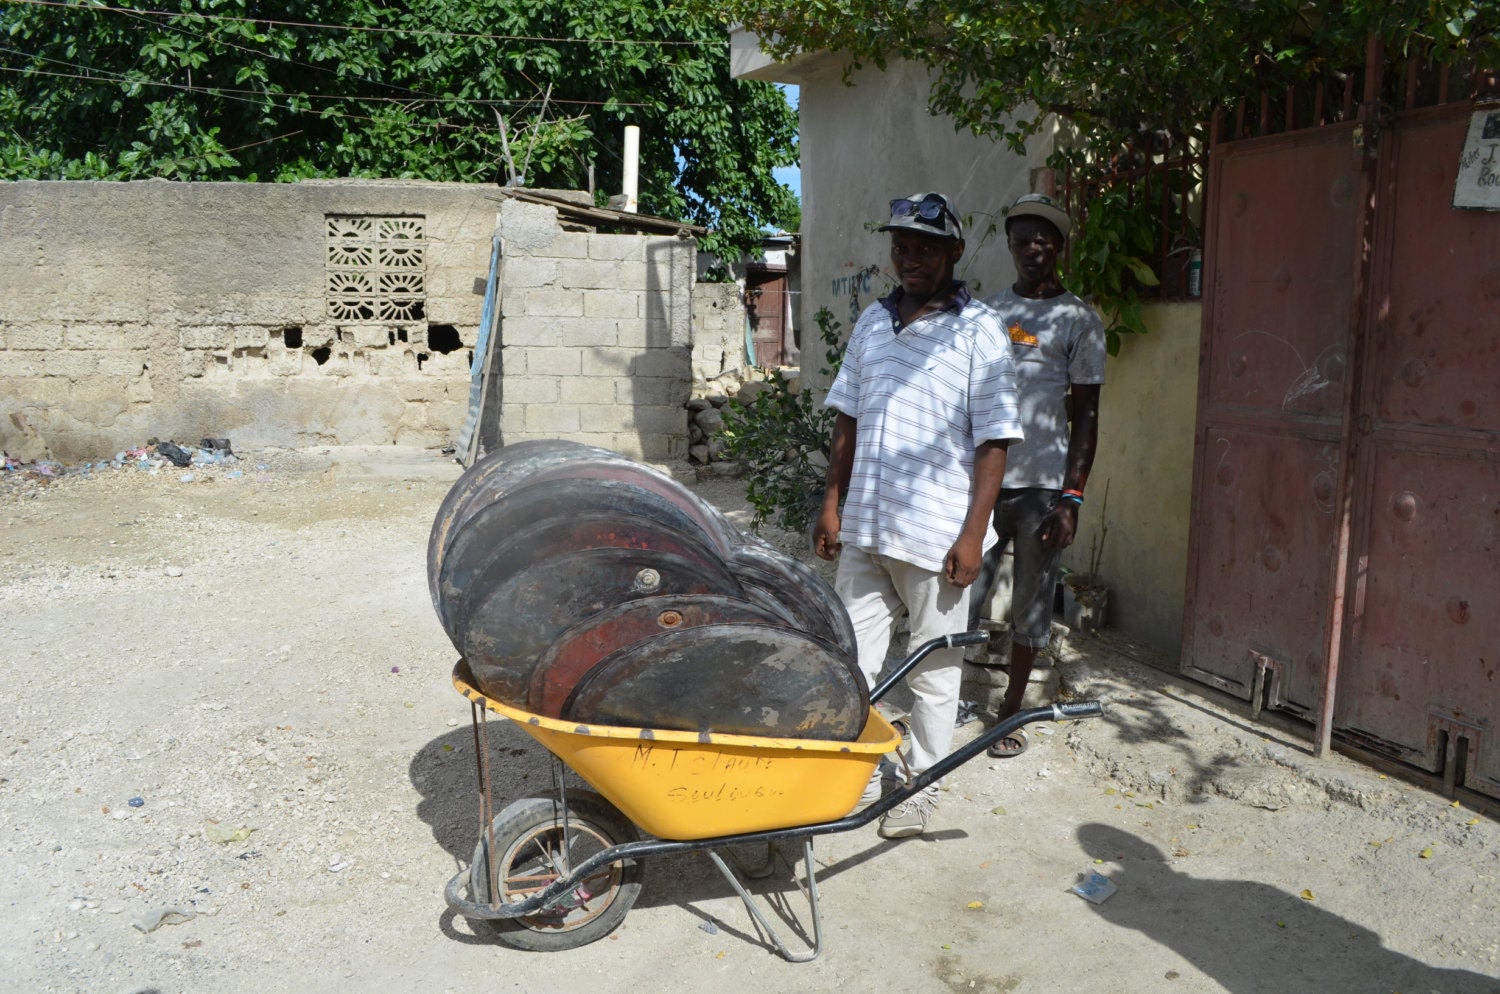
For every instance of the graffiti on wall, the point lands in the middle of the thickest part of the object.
(859, 287)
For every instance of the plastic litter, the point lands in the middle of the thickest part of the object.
(173, 453)
(1095, 887)
(153, 920)
(966, 714)
(223, 834)
(708, 927)
(137, 802)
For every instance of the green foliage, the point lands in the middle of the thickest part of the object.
(1108, 258)
(221, 93)
(782, 439)
(1114, 72)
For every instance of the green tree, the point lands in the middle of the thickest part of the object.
(1127, 73)
(243, 90)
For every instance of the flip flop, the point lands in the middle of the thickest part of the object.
(1000, 750)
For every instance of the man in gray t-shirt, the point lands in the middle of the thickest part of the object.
(1057, 342)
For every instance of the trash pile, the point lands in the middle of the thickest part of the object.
(580, 585)
(152, 458)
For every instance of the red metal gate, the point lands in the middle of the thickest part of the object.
(1349, 416)
(1420, 681)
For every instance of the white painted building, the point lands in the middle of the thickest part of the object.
(866, 143)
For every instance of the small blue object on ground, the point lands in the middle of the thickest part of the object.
(137, 802)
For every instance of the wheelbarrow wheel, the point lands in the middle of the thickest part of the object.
(531, 854)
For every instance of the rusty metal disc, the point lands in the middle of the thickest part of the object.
(723, 536)
(580, 648)
(551, 537)
(746, 679)
(504, 530)
(799, 589)
(518, 616)
(488, 479)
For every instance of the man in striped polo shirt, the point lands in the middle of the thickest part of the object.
(926, 406)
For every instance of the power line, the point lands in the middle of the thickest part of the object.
(415, 32)
(227, 91)
(126, 81)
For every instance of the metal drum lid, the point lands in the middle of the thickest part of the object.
(484, 482)
(746, 679)
(516, 619)
(723, 535)
(646, 520)
(580, 648)
(798, 587)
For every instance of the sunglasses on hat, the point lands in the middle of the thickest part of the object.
(929, 208)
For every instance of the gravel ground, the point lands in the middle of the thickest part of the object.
(253, 656)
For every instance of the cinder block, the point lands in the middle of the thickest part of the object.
(139, 390)
(610, 303)
(582, 390)
(529, 271)
(596, 274)
(652, 447)
(512, 420)
(120, 362)
(288, 362)
(194, 364)
(251, 337)
(533, 389)
(35, 336)
(554, 302)
(549, 419)
(205, 336)
(609, 362)
(669, 420)
(656, 391)
(604, 418)
(73, 365)
(394, 362)
(513, 301)
(617, 247)
(668, 362)
(569, 245)
(366, 336)
(20, 367)
(94, 336)
(644, 333)
(558, 331)
(542, 362)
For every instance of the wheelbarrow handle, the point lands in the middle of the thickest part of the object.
(922, 652)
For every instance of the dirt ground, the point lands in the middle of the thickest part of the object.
(255, 658)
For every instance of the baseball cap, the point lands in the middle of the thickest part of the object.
(1042, 206)
(928, 213)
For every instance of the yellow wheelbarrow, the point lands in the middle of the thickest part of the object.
(559, 871)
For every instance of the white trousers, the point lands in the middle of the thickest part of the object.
(874, 590)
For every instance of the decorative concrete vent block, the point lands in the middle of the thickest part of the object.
(377, 268)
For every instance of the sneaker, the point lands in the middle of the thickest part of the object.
(909, 817)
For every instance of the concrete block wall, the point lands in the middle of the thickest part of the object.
(185, 310)
(595, 335)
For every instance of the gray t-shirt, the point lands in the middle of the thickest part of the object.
(1055, 342)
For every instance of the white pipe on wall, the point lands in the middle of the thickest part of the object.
(630, 180)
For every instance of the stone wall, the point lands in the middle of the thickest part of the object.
(325, 312)
(595, 335)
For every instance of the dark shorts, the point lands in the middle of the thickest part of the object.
(1033, 568)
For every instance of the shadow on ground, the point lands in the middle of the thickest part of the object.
(1252, 937)
(445, 774)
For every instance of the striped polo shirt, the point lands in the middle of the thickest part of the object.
(924, 397)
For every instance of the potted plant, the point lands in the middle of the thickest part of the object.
(1085, 595)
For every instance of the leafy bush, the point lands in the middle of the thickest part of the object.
(782, 439)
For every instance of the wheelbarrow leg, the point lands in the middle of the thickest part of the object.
(810, 891)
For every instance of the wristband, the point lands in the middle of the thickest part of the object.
(1076, 496)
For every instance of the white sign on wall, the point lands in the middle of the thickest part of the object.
(1478, 183)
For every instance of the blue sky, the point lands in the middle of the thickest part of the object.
(790, 175)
